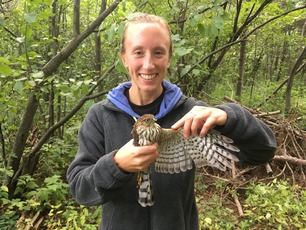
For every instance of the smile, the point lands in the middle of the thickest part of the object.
(148, 76)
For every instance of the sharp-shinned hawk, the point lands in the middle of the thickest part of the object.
(177, 153)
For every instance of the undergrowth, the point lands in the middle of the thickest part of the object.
(274, 205)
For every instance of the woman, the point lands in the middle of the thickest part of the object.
(105, 166)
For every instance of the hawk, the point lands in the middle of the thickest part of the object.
(178, 154)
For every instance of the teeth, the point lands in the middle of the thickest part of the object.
(148, 77)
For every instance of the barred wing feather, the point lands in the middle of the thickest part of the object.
(177, 154)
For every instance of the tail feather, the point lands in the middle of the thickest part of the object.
(145, 190)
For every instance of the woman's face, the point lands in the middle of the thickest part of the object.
(146, 57)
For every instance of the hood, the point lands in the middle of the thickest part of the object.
(171, 97)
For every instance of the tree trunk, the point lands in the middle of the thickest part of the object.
(282, 60)
(20, 142)
(76, 17)
(293, 72)
(241, 70)
(22, 134)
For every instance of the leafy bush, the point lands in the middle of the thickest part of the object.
(52, 200)
(277, 205)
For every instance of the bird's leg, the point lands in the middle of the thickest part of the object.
(139, 178)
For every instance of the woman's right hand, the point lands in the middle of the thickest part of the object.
(130, 158)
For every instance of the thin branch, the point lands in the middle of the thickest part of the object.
(61, 122)
(273, 93)
(57, 60)
(3, 146)
(292, 160)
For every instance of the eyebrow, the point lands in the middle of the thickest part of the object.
(142, 47)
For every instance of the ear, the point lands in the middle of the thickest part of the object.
(123, 59)
(169, 62)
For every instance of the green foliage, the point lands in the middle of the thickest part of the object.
(214, 206)
(71, 217)
(50, 198)
(216, 213)
(277, 205)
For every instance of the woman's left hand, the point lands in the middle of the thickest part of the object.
(200, 119)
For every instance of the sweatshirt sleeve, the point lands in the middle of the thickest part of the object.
(253, 137)
(93, 176)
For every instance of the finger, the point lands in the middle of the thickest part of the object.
(209, 123)
(147, 150)
(197, 125)
(182, 121)
(187, 127)
(178, 124)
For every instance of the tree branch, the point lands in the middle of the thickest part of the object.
(57, 60)
(239, 39)
(292, 160)
(3, 146)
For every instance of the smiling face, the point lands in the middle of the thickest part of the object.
(146, 55)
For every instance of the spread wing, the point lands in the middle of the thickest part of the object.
(177, 154)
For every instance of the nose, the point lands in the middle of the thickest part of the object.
(148, 62)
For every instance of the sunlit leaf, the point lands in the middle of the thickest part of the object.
(4, 60)
(4, 188)
(6, 70)
(20, 39)
(181, 51)
(39, 74)
(32, 83)
(30, 17)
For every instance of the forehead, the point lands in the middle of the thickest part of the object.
(147, 33)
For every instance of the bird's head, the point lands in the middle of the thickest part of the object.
(145, 130)
(147, 120)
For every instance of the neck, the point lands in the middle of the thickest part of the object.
(138, 97)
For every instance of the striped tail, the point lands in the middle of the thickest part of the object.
(145, 190)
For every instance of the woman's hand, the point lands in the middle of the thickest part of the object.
(130, 158)
(200, 119)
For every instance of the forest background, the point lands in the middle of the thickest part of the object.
(58, 57)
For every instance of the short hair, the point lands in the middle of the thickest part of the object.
(146, 18)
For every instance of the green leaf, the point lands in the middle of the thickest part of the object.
(31, 17)
(32, 83)
(6, 70)
(20, 39)
(219, 22)
(201, 28)
(18, 86)
(111, 32)
(2, 22)
(185, 69)
(39, 74)
(4, 188)
(120, 67)
(196, 72)
(87, 82)
(4, 60)
(181, 51)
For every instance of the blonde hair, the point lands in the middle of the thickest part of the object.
(146, 18)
